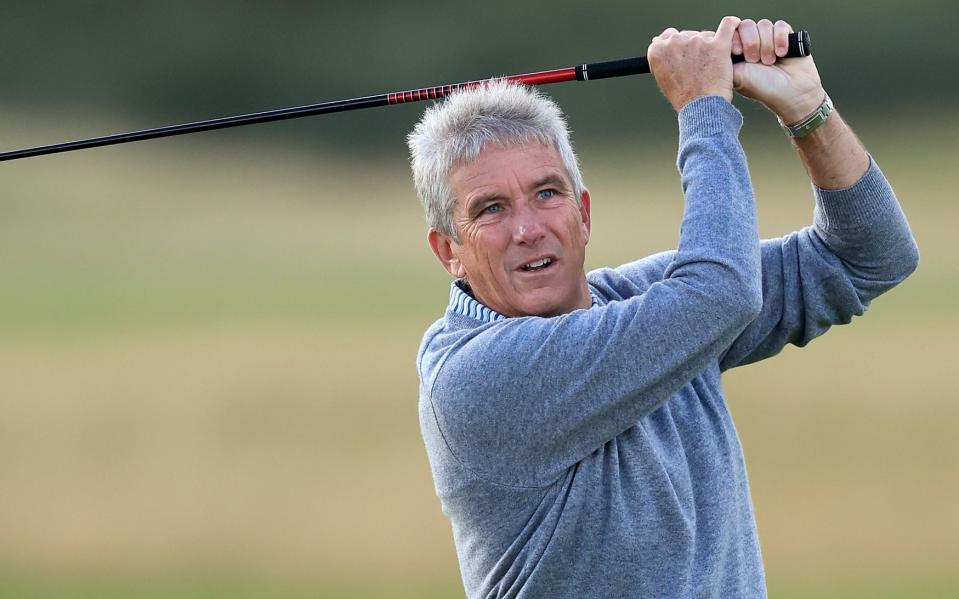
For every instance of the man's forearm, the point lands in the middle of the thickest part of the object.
(833, 156)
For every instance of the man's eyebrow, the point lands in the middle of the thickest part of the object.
(477, 200)
(551, 179)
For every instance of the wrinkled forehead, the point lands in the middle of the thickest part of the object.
(497, 163)
(508, 152)
(469, 150)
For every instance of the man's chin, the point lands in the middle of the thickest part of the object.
(543, 302)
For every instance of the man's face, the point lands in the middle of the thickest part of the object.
(522, 234)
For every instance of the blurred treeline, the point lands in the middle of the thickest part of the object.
(157, 63)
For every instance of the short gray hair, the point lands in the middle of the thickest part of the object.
(455, 131)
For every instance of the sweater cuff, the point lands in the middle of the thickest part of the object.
(706, 116)
(856, 206)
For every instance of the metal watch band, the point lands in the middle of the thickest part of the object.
(811, 122)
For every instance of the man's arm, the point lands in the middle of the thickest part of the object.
(832, 154)
(859, 245)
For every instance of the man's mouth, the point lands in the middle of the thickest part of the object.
(535, 265)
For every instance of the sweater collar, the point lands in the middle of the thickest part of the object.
(464, 304)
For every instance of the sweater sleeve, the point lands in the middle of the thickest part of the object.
(858, 247)
(519, 401)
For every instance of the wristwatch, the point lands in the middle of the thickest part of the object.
(811, 122)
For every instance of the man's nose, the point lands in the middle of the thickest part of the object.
(528, 227)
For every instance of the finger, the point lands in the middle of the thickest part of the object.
(666, 34)
(737, 44)
(767, 48)
(781, 31)
(726, 28)
(749, 34)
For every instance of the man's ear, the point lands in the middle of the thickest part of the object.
(443, 248)
(584, 213)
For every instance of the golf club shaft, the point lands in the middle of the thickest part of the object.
(798, 46)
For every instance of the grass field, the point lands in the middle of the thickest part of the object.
(200, 396)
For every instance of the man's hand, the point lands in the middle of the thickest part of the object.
(692, 64)
(790, 87)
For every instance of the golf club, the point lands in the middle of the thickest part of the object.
(798, 46)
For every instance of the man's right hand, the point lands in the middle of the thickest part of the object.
(692, 64)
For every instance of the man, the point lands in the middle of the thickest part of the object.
(575, 424)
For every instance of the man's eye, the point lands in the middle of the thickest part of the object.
(547, 193)
(492, 209)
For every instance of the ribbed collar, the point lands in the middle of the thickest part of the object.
(464, 304)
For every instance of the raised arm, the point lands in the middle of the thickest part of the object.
(859, 244)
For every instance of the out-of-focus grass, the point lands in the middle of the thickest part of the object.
(207, 384)
(234, 585)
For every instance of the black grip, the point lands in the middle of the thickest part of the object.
(798, 46)
(612, 68)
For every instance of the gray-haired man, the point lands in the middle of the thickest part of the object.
(575, 424)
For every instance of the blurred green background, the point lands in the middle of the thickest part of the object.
(202, 395)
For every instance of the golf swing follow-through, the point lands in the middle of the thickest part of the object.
(575, 423)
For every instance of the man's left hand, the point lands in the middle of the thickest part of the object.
(790, 87)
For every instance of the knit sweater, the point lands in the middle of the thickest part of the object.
(592, 454)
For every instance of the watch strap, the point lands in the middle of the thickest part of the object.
(811, 122)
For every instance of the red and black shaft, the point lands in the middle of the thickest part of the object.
(798, 46)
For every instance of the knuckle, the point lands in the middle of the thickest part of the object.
(730, 21)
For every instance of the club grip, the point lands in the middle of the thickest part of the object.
(798, 46)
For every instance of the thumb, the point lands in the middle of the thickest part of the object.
(727, 27)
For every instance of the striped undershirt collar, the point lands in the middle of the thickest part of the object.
(464, 304)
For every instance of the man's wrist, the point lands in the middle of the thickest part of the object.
(809, 123)
(800, 107)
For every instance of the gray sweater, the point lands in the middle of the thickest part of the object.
(592, 454)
